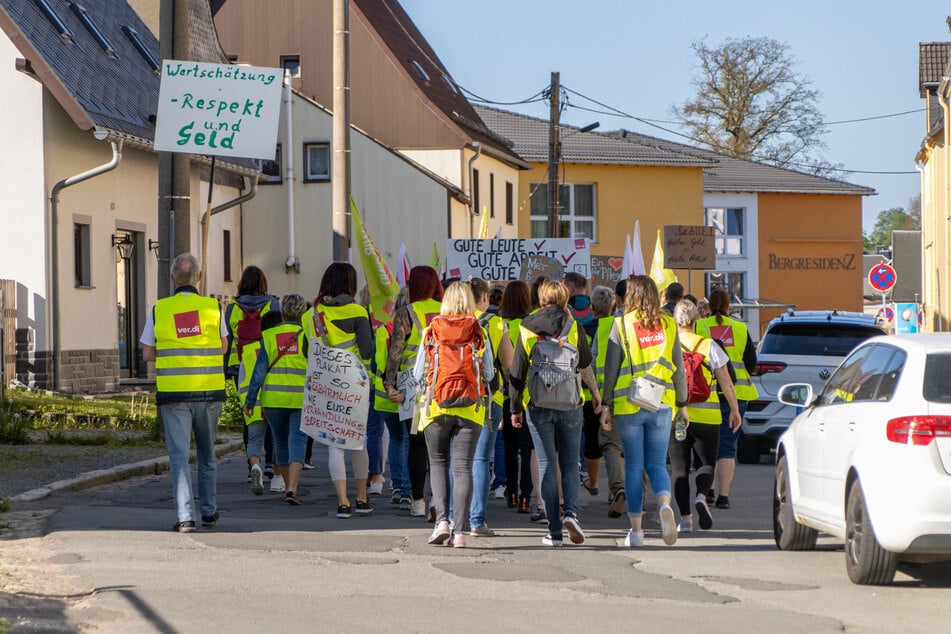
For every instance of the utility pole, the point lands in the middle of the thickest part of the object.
(554, 149)
(340, 166)
(174, 200)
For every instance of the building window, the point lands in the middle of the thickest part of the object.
(476, 199)
(729, 228)
(509, 204)
(577, 218)
(291, 63)
(81, 255)
(316, 162)
(734, 283)
(226, 255)
(492, 195)
(273, 170)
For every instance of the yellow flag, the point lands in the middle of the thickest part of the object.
(434, 260)
(484, 227)
(661, 276)
(380, 281)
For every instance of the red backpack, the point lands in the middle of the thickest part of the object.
(248, 329)
(453, 346)
(698, 389)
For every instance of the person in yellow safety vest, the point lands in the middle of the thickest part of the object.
(643, 343)
(280, 374)
(452, 433)
(185, 337)
(398, 448)
(425, 297)
(555, 429)
(733, 336)
(254, 423)
(342, 323)
(243, 317)
(703, 432)
(496, 331)
(600, 442)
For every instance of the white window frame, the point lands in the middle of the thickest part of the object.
(722, 239)
(309, 175)
(568, 210)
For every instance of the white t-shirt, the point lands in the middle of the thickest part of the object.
(718, 358)
(148, 332)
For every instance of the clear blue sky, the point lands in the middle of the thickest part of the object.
(636, 56)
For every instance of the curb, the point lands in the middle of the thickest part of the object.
(155, 466)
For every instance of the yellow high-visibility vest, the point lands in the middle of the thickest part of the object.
(283, 385)
(646, 352)
(336, 338)
(708, 412)
(189, 365)
(423, 312)
(381, 349)
(732, 335)
(249, 356)
(233, 318)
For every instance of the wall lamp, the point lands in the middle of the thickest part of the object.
(124, 246)
(154, 246)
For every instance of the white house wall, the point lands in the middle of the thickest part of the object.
(748, 263)
(22, 197)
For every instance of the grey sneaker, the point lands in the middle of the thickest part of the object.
(685, 526)
(634, 539)
(482, 531)
(703, 513)
(257, 480)
(668, 525)
(575, 534)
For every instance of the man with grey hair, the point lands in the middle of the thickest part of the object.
(187, 339)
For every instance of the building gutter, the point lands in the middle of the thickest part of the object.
(251, 189)
(54, 246)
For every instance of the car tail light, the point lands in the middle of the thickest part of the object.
(918, 430)
(768, 368)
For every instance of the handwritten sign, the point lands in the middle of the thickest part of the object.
(219, 109)
(336, 398)
(408, 385)
(501, 260)
(536, 266)
(606, 270)
(689, 247)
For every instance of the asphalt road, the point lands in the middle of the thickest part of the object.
(105, 560)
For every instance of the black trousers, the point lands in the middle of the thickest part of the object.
(518, 443)
(702, 439)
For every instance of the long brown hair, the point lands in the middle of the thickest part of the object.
(516, 301)
(719, 304)
(644, 300)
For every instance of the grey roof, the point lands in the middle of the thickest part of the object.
(530, 138)
(117, 94)
(736, 175)
(932, 64)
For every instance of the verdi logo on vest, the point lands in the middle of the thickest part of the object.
(723, 334)
(286, 342)
(647, 338)
(187, 324)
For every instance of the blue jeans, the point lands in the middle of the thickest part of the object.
(557, 439)
(397, 454)
(180, 420)
(375, 441)
(290, 443)
(485, 450)
(728, 437)
(644, 437)
(255, 442)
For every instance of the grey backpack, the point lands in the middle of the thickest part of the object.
(553, 379)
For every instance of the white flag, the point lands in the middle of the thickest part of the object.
(627, 267)
(403, 267)
(638, 253)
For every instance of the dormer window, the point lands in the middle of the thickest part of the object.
(419, 69)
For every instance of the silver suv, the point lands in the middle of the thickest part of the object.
(798, 347)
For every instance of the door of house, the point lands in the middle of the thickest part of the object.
(129, 302)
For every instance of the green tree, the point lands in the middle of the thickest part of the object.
(894, 219)
(751, 102)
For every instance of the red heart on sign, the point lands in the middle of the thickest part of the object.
(616, 263)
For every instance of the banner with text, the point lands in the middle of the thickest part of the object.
(689, 247)
(336, 398)
(501, 259)
(219, 109)
(606, 270)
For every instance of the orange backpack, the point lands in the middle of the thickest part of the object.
(453, 346)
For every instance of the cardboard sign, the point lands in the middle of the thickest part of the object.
(606, 270)
(219, 109)
(408, 385)
(336, 397)
(501, 260)
(689, 247)
(536, 266)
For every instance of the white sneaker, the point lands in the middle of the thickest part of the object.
(277, 484)
(575, 534)
(257, 479)
(668, 525)
(418, 509)
(500, 493)
(441, 533)
(375, 488)
(634, 539)
(685, 526)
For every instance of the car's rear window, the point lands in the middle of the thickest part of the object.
(938, 378)
(818, 339)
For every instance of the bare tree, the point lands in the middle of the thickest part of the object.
(752, 103)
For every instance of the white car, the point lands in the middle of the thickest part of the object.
(869, 459)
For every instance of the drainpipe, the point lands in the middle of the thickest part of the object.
(292, 262)
(472, 210)
(252, 188)
(924, 257)
(943, 100)
(54, 243)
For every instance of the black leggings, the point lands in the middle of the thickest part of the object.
(518, 479)
(704, 440)
(592, 423)
(418, 461)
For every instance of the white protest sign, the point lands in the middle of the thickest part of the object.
(500, 260)
(219, 109)
(336, 397)
(408, 385)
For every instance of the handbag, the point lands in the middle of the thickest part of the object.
(644, 392)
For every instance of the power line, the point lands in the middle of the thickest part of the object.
(881, 116)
